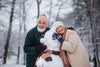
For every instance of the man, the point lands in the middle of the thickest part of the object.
(32, 46)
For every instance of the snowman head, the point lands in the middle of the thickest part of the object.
(48, 40)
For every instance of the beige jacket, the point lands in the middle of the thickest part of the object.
(76, 52)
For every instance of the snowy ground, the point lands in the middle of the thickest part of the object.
(12, 63)
(16, 65)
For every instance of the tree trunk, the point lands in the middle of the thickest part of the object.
(59, 11)
(0, 4)
(96, 46)
(9, 33)
(93, 29)
(18, 55)
(20, 28)
(50, 12)
(24, 21)
(38, 7)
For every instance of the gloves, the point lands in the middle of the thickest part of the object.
(58, 36)
(39, 48)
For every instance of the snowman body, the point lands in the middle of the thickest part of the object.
(51, 45)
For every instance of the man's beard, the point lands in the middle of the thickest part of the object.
(40, 29)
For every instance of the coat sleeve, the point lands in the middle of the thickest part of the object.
(71, 44)
(28, 49)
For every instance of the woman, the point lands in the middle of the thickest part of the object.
(72, 45)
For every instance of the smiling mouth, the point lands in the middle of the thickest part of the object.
(61, 30)
(41, 27)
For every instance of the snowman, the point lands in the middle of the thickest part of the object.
(54, 45)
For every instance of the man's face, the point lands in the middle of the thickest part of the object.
(60, 29)
(42, 25)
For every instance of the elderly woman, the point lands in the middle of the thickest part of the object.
(72, 45)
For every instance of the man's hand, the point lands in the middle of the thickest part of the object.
(48, 51)
(37, 60)
(39, 48)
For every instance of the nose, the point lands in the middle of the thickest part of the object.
(60, 28)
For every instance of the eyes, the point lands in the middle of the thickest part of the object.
(42, 22)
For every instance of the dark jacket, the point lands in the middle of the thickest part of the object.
(32, 39)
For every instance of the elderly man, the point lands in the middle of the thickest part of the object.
(32, 46)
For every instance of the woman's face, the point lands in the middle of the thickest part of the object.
(60, 29)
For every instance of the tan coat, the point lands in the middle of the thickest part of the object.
(76, 52)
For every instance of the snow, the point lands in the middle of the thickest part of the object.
(92, 64)
(31, 21)
(12, 65)
(11, 62)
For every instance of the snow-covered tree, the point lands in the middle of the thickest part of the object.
(87, 18)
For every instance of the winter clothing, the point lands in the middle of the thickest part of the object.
(71, 28)
(39, 48)
(43, 17)
(32, 42)
(58, 36)
(75, 50)
(57, 24)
